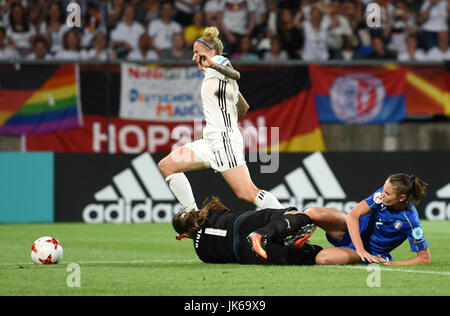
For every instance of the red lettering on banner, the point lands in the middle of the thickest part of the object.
(139, 73)
(132, 136)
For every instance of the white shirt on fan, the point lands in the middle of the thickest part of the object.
(129, 34)
(162, 33)
(235, 14)
(437, 19)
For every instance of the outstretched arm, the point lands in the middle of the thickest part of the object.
(355, 234)
(423, 257)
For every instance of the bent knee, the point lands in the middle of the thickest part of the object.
(316, 213)
(324, 258)
(166, 167)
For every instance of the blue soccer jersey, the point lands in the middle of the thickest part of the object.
(384, 229)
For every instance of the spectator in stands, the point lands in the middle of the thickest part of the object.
(99, 50)
(276, 53)
(440, 52)
(261, 11)
(20, 32)
(412, 52)
(6, 51)
(347, 52)
(55, 27)
(178, 51)
(290, 34)
(147, 11)
(125, 36)
(93, 22)
(246, 51)
(115, 12)
(339, 26)
(40, 49)
(194, 30)
(379, 50)
(433, 19)
(144, 51)
(399, 26)
(162, 30)
(212, 12)
(315, 33)
(236, 20)
(361, 39)
(38, 14)
(185, 10)
(71, 46)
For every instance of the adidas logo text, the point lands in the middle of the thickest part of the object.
(439, 209)
(136, 195)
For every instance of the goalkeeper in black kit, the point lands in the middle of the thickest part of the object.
(267, 236)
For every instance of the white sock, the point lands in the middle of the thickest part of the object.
(182, 190)
(265, 199)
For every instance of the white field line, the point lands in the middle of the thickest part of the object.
(196, 260)
(108, 262)
(390, 269)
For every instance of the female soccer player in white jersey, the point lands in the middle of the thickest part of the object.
(222, 146)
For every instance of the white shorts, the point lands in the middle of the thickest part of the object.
(220, 153)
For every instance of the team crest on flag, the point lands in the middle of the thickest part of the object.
(359, 97)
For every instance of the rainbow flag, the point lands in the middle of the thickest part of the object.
(36, 99)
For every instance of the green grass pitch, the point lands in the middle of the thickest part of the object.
(145, 259)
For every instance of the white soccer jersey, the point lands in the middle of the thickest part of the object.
(219, 97)
(222, 146)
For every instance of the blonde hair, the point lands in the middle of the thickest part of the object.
(211, 39)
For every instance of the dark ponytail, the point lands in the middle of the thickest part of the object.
(191, 222)
(410, 185)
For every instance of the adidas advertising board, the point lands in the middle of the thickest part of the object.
(125, 188)
(112, 188)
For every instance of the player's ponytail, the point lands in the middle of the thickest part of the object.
(191, 222)
(412, 186)
(211, 39)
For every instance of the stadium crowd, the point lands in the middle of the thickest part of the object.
(149, 30)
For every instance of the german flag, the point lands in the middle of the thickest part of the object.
(282, 97)
(39, 100)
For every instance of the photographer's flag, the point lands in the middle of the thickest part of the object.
(38, 100)
(359, 97)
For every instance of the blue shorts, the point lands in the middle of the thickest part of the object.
(346, 242)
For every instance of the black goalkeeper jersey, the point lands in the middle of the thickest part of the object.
(214, 241)
(222, 239)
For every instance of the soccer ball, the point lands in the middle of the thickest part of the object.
(46, 250)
